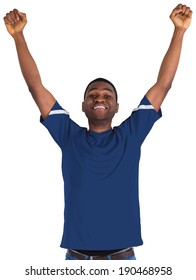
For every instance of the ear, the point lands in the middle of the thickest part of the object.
(117, 107)
(83, 107)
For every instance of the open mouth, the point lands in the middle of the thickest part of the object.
(99, 107)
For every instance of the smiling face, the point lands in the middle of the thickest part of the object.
(100, 102)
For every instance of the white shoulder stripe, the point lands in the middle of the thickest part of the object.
(58, 112)
(143, 107)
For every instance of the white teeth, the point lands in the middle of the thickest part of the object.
(99, 107)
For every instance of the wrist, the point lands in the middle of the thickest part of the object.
(17, 35)
(179, 31)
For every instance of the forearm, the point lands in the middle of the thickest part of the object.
(167, 71)
(15, 22)
(27, 64)
(171, 60)
(181, 18)
(43, 98)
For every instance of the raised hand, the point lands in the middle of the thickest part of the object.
(15, 21)
(181, 16)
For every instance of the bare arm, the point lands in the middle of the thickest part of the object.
(181, 17)
(15, 23)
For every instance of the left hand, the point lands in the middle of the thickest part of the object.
(181, 16)
(15, 22)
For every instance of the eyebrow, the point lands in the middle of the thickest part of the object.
(108, 89)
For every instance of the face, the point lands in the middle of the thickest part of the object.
(100, 102)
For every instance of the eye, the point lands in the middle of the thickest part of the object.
(107, 96)
(93, 96)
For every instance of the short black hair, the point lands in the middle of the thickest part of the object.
(102, 80)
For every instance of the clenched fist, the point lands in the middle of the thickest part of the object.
(181, 16)
(15, 22)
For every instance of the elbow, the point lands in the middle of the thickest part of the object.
(165, 87)
(168, 86)
(31, 89)
(34, 87)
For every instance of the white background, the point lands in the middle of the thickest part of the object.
(72, 43)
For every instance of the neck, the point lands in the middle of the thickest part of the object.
(99, 126)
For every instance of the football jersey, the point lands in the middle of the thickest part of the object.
(100, 172)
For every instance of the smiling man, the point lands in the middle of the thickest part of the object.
(100, 104)
(100, 164)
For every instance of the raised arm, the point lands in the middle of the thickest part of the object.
(181, 18)
(15, 22)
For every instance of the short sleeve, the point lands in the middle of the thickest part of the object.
(59, 124)
(142, 120)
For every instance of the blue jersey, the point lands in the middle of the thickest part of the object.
(100, 172)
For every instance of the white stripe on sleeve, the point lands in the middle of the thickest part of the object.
(58, 112)
(143, 107)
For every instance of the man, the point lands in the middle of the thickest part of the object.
(100, 165)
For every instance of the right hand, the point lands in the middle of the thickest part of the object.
(181, 16)
(15, 22)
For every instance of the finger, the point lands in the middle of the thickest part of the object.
(22, 15)
(190, 14)
(13, 16)
(15, 11)
(184, 9)
(179, 6)
(19, 15)
(176, 11)
(187, 11)
(6, 20)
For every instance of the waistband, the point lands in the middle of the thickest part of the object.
(125, 253)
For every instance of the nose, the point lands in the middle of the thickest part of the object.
(99, 99)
